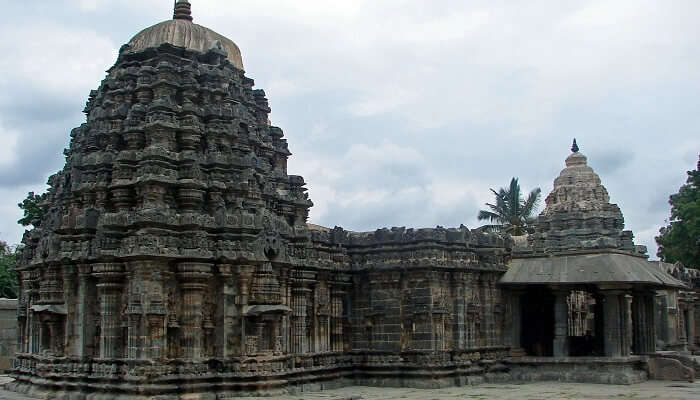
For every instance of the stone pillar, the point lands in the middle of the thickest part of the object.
(691, 326)
(514, 321)
(696, 317)
(110, 278)
(662, 320)
(651, 322)
(560, 347)
(626, 319)
(644, 339)
(193, 278)
(682, 324)
(613, 341)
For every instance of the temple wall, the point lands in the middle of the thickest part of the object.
(174, 254)
(8, 331)
(358, 310)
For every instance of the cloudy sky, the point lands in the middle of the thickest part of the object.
(398, 112)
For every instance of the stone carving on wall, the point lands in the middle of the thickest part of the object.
(196, 259)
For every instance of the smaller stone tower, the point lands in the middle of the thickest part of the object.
(578, 213)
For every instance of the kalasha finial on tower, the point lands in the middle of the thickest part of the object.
(183, 10)
(574, 147)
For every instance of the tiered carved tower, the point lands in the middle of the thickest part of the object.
(578, 213)
(174, 257)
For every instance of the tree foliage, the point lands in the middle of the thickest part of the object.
(511, 213)
(679, 241)
(34, 208)
(8, 277)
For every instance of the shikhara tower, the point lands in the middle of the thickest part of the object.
(174, 259)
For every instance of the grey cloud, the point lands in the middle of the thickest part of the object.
(609, 162)
(414, 210)
(477, 102)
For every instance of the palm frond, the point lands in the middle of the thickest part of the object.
(532, 202)
(510, 209)
(483, 214)
(490, 228)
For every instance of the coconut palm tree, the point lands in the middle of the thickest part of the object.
(511, 214)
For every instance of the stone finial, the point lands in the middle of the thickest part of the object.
(183, 10)
(574, 147)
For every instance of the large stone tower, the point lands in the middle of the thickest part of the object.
(174, 258)
(176, 184)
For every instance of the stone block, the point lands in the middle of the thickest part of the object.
(668, 369)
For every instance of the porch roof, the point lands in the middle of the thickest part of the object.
(587, 269)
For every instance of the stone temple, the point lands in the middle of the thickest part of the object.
(175, 261)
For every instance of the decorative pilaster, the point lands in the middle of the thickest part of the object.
(110, 278)
(245, 278)
(300, 296)
(193, 281)
(134, 317)
(230, 312)
(85, 331)
(71, 300)
(337, 320)
(473, 312)
(34, 323)
(459, 304)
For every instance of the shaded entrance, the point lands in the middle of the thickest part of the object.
(583, 305)
(583, 333)
(537, 308)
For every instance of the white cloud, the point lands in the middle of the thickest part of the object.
(54, 58)
(405, 112)
(8, 150)
(10, 231)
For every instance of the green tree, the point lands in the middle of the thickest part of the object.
(511, 213)
(680, 239)
(8, 277)
(34, 208)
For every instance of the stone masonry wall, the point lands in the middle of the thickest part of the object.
(174, 255)
(8, 331)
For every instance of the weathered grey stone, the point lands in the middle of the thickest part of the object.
(8, 332)
(579, 215)
(174, 260)
(668, 369)
(617, 371)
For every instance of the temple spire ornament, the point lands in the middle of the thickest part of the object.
(183, 10)
(574, 147)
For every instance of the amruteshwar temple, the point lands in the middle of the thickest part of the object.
(175, 261)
